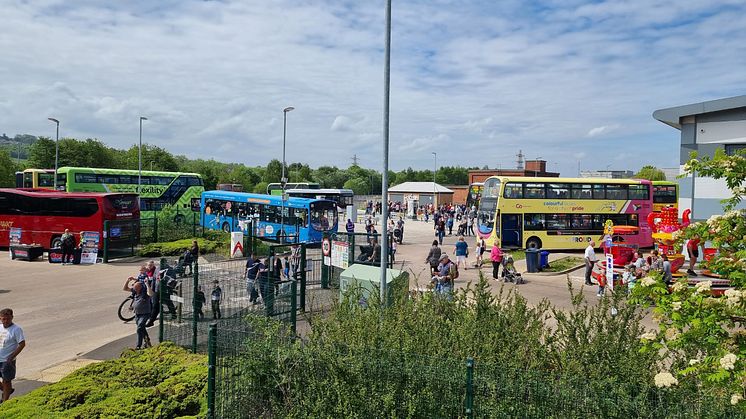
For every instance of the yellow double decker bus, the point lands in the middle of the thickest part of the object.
(561, 213)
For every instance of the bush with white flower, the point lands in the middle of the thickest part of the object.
(703, 337)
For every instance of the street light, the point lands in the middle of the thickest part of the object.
(56, 150)
(139, 159)
(435, 169)
(283, 180)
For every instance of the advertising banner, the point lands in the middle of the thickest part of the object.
(15, 236)
(89, 241)
(340, 254)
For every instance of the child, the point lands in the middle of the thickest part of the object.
(630, 277)
(201, 300)
(216, 295)
(286, 271)
(393, 250)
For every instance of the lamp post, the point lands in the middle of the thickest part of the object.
(435, 169)
(385, 174)
(283, 180)
(139, 160)
(56, 150)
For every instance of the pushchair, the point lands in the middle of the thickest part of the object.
(510, 274)
(398, 235)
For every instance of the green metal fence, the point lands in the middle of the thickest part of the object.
(122, 238)
(260, 374)
(189, 308)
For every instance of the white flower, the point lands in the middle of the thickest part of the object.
(728, 361)
(679, 286)
(646, 282)
(734, 399)
(693, 362)
(648, 336)
(672, 334)
(665, 379)
(733, 296)
(703, 286)
(676, 305)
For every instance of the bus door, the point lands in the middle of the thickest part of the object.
(512, 231)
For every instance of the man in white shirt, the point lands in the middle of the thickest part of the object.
(12, 343)
(590, 260)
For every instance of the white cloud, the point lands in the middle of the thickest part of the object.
(602, 130)
(477, 80)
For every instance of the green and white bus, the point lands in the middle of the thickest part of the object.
(174, 192)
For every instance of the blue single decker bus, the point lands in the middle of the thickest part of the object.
(294, 220)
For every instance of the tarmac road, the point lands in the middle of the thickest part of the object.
(64, 310)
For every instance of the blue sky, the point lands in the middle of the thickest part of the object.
(569, 81)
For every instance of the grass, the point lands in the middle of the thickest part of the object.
(564, 263)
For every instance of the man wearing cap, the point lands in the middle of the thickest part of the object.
(443, 280)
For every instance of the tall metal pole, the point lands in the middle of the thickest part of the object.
(139, 160)
(385, 174)
(56, 150)
(283, 179)
(435, 169)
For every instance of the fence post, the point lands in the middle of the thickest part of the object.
(211, 355)
(155, 227)
(195, 289)
(324, 268)
(293, 305)
(469, 387)
(303, 277)
(106, 242)
(194, 224)
(161, 297)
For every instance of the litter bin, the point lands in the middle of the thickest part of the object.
(543, 259)
(532, 260)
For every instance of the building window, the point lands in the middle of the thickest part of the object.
(732, 149)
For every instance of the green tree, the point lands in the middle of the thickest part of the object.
(41, 153)
(650, 173)
(273, 172)
(7, 170)
(260, 187)
(330, 177)
(358, 185)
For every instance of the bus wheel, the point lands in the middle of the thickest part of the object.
(56, 243)
(179, 219)
(533, 243)
(226, 228)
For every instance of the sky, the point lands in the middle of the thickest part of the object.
(572, 82)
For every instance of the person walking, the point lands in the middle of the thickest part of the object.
(350, 226)
(142, 293)
(449, 224)
(590, 260)
(440, 230)
(692, 249)
(496, 256)
(216, 296)
(444, 276)
(433, 257)
(480, 251)
(12, 342)
(461, 249)
(193, 255)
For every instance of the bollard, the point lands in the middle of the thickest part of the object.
(211, 356)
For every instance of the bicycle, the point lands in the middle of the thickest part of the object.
(126, 310)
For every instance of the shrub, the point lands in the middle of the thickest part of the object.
(178, 247)
(161, 382)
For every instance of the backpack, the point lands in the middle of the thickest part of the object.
(454, 271)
